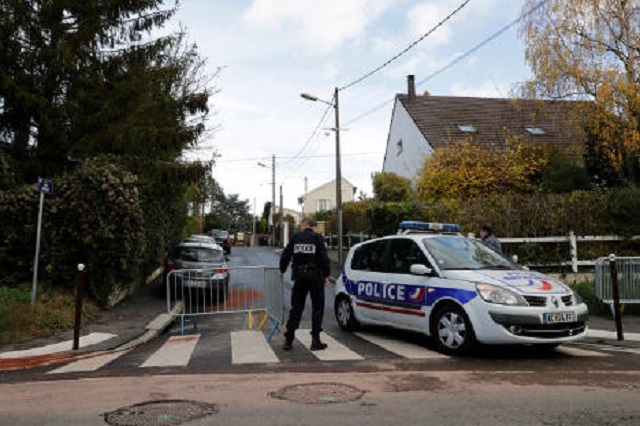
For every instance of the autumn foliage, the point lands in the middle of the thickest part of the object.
(468, 170)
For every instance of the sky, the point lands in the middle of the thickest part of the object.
(271, 51)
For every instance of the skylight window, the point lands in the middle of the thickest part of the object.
(467, 128)
(537, 131)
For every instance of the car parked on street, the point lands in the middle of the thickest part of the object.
(197, 267)
(458, 290)
(223, 238)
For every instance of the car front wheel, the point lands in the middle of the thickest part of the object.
(344, 314)
(452, 330)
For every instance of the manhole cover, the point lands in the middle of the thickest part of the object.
(319, 393)
(160, 413)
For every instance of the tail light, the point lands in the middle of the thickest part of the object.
(221, 271)
(171, 266)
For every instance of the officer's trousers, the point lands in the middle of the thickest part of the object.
(301, 288)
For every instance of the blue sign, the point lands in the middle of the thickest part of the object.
(45, 186)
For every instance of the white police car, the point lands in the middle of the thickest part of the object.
(430, 279)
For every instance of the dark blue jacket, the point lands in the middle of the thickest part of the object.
(306, 250)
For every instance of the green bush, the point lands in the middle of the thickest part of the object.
(586, 290)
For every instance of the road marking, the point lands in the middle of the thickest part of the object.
(335, 351)
(67, 345)
(251, 347)
(398, 347)
(604, 334)
(176, 352)
(615, 349)
(579, 352)
(89, 364)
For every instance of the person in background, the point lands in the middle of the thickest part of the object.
(310, 270)
(487, 237)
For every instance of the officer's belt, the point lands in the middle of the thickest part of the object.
(305, 267)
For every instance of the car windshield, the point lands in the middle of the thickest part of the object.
(217, 233)
(199, 254)
(454, 253)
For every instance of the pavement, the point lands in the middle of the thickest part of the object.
(143, 316)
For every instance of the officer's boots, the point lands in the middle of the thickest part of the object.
(317, 345)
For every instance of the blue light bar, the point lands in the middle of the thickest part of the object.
(429, 226)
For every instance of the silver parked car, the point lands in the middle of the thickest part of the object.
(200, 271)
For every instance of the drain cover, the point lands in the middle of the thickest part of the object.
(319, 393)
(160, 413)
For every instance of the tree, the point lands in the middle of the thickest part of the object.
(590, 49)
(391, 187)
(464, 169)
(562, 175)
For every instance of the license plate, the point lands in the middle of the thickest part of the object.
(195, 283)
(559, 317)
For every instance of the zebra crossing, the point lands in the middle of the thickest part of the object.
(250, 347)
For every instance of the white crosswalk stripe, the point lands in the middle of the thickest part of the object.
(251, 347)
(89, 364)
(398, 347)
(67, 345)
(335, 351)
(176, 352)
(582, 353)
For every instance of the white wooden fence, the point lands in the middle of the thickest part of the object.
(571, 239)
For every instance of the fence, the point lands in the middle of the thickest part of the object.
(250, 289)
(628, 279)
(572, 240)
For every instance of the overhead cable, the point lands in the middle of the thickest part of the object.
(455, 60)
(405, 50)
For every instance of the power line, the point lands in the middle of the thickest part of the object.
(313, 134)
(291, 157)
(405, 50)
(456, 60)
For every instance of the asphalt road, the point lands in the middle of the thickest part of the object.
(401, 379)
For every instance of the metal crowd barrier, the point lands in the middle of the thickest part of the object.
(628, 279)
(246, 289)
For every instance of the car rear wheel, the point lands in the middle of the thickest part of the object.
(344, 314)
(452, 330)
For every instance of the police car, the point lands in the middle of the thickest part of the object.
(428, 278)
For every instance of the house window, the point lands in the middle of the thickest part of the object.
(323, 205)
(536, 131)
(467, 128)
(400, 147)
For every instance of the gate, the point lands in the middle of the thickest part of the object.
(246, 289)
(628, 279)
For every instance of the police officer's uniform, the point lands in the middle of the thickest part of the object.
(310, 268)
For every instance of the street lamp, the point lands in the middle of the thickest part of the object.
(335, 106)
(273, 195)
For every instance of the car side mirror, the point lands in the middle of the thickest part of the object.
(419, 269)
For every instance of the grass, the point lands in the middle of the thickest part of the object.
(54, 312)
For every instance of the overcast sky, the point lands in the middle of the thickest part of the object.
(273, 50)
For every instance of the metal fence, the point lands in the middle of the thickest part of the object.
(250, 289)
(628, 279)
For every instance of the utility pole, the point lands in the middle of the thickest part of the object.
(273, 197)
(253, 232)
(281, 220)
(338, 179)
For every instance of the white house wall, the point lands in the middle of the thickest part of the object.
(327, 192)
(409, 161)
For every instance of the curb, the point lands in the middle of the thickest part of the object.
(153, 329)
(612, 342)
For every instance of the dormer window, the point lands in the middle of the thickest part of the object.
(536, 131)
(467, 128)
(399, 147)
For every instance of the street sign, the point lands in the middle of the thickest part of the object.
(45, 186)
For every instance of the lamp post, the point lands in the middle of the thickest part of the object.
(273, 195)
(335, 105)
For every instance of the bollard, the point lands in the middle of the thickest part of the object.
(80, 280)
(616, 295)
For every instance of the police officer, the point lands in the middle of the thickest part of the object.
(310, 272)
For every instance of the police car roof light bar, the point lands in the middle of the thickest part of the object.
(412, 225)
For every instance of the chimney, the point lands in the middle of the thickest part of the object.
(411, 89)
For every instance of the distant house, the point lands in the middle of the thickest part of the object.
(421, 124)
(323, 198)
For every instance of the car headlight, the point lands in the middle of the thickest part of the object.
(576, 297)
(499, 295)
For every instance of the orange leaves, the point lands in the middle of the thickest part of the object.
(464, 169)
